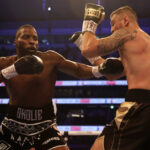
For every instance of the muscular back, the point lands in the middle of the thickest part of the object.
(135, 55)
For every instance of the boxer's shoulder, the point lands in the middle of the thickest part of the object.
(50, 58)
(51, 52)
(9, 58)
(6, 61)
(51, 55)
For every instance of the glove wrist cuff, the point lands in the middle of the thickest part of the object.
(89, 25)
(9, 72)
(95, 72)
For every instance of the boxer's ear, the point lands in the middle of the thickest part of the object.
(126, 20)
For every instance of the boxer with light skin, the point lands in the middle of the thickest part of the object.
(94, 15)
(30, 78)
(130, 128)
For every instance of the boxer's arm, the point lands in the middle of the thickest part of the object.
(92, 46)
(85, 71)
(76, 38)
(94, 14)
(75, 69)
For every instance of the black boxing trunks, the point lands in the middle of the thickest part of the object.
(24, 128)
(130, 129)
(138, 95)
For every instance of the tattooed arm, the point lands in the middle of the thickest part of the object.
(92, 46)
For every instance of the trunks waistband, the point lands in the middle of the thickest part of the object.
(138, 95)
(27, 129)
(30, 114)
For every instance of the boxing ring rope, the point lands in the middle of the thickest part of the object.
(79, 100)
(81, 130)
(88, 83)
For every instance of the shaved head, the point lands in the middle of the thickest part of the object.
(125, 10)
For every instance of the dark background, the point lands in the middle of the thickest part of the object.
(36, 10)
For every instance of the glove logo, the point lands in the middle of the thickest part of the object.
(92, 13)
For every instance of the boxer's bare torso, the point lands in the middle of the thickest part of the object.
(134, 49)
(38, 90)
(135, 55)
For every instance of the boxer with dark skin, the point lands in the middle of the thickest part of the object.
(36, 91)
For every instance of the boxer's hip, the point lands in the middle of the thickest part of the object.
(24, 126)
(27, 129)
(29, 120)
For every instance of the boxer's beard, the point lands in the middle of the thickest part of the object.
(22, 50)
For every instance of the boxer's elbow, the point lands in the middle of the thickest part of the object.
(89, 50)
(85, 52)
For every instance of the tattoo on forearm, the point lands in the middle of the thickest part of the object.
(116, 40)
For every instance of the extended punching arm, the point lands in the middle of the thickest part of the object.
(109, 66)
